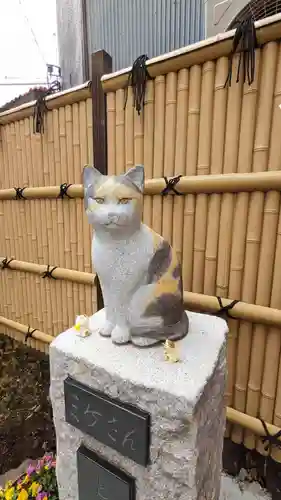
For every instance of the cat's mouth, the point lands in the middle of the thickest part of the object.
(111, 224)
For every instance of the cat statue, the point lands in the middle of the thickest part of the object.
(138, 270)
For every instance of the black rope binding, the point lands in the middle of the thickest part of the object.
(49, 272)
(5, 263)
(137, 79)
(29, 333)
(19, 193)
(40, 108)
(245, 42)
(63, 190)
(270, 440)
(170, 185)
(224, 310)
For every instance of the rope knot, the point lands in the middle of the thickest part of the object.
(63, 190)
(19, 193)
(170, 185)
(49, 272)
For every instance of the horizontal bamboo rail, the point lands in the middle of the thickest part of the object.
(36, 334)
(195, 301)
(57, 272)
(251, 423)
(267, 29)
(53, 101)
(208, 184)
(242, 310)
(233, 416)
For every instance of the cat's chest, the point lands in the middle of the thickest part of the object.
(121, 263)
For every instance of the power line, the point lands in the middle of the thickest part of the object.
(32, 32)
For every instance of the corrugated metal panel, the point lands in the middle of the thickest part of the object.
(128, 28)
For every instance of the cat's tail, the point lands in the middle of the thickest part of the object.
(161, 333)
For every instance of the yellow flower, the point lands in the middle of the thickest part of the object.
(46, 468)
(26, 479)
(23, 495)
(9, 493)
(8, 485)
(34, 489)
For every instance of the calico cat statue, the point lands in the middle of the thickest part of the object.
(138, 270)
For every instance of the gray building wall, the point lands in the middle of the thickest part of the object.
(125, 29)
(129, 28)
(219, 14)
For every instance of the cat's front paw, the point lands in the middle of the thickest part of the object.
(106, 329)
(120, 335)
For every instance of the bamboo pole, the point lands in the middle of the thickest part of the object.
(216, 167)
(158, 158)
(120, 132)
(198, 53)
(111, 132)
(256, 259)
(149, 147)
(192, 142)
(198, 302)
(62, 320)
(227, 239)
(180, 159)
(270, 403)
(266, 345)
(14, 325)
(248, 312)
(72, 206)
(59, 273)
(67, 227)
(8, 226)
(207, 184)
(203, 168)
(238, 263)
(169, 151)
(84, 229)
(54, 101)
(138, 139)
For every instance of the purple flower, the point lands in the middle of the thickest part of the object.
(30, 470)
(42, 496)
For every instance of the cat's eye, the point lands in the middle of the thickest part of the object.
(124, 201)
(99, 200)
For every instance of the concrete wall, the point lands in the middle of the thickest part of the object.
(70, 41)
(219, 14)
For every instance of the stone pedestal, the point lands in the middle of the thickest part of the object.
(184, 400)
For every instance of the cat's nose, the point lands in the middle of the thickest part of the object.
(113, 217)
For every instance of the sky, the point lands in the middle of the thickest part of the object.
(28, 42)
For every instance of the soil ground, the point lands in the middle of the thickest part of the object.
(26, 426)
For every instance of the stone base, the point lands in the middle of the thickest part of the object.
(184, 399)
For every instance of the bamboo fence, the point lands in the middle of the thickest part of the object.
(44, 231)
(227, 239)
(226, 228)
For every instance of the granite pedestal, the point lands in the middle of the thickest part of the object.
(184, 401)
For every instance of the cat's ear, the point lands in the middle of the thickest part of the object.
(91, 177)
(136, 176)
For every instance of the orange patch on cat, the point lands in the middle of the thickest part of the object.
(168, 284)
(115, 190)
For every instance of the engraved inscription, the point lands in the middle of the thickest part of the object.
(118, 425)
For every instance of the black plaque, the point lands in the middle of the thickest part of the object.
(100, 480)
(121, 426)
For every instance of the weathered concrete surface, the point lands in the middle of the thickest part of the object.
(185, 401)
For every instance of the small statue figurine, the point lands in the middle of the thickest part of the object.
(138, 270)
(170, 352)
(82, 326)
